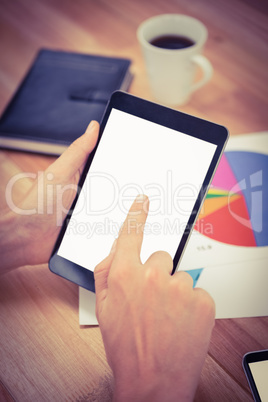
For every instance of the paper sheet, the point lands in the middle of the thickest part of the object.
(235, 276)
(239, 290)
(207, 251)
(87, 302)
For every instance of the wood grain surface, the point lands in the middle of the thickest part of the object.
(44, 354)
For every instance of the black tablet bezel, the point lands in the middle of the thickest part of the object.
(253, 357)
(176, 120)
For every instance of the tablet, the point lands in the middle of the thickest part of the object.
(255, 365)
(143, 148)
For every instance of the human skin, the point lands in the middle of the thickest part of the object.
(33, 236)
(156, 328)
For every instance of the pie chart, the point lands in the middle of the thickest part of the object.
(235, 210)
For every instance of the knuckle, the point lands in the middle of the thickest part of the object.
(152, 274)
(98, 269)
(182, 291)
(120, 272)
(206, 303)
(182, 283)
(118, 275)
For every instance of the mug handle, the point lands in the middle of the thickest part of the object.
(207, 68)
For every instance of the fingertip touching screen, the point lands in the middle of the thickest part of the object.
(136, 156)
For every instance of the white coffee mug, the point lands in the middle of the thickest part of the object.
(172, 73)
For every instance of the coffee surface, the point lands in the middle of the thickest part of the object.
(172, 42)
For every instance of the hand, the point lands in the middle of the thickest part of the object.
(156, 328)
(31, 227)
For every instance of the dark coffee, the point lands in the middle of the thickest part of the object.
(172, 42)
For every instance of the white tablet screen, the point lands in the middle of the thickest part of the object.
(136, 156)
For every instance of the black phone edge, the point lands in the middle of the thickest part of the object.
(253, 357)
(194, 216)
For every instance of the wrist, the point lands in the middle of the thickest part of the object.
(158, 390)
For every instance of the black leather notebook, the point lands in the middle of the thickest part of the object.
(60, 95)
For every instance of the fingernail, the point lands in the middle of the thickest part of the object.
(144, 200)
(91, 125)
(141, 198)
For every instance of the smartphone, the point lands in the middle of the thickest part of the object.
(143, 148)
(255, 365)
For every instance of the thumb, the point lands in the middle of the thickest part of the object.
(75, 156)
(101, 273)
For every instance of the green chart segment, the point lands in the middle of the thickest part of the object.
(235, 210)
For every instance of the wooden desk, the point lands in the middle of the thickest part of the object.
(45, 355)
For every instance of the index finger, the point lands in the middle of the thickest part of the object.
(131, 235)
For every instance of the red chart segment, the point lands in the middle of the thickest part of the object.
(228, 224)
